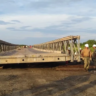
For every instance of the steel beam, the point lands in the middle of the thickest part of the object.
(62, 45)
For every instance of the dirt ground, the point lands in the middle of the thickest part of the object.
(46, 82)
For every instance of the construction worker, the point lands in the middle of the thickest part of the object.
(86, 54)
(80, 50)
(69, 50)
(94, 56)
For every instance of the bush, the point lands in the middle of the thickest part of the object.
(90, 42)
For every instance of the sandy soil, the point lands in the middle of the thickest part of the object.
(46, 82)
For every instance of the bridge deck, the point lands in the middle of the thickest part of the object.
(29, 55)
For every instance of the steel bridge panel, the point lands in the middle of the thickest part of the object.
(13, 60)
(55, 47)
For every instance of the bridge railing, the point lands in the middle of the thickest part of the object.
(69, 45)
(6, 46)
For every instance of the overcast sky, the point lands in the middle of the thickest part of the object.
(38, 21)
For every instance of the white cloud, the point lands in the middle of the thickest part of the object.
(36, 21)
(43, 21)
(77, 25)
(47, 18)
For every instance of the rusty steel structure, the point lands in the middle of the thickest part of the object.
(62, 44)
(6, 46)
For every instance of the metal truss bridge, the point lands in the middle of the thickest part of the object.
(58, 50)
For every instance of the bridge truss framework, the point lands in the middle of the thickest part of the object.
(62, 45)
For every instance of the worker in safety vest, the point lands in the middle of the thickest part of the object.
(94, 56)
(86, 53)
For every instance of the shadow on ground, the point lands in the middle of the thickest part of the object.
(8, 53)
(39, 65)
(69, 86)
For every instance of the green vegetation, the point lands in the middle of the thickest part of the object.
(90, 42)
(22, 45)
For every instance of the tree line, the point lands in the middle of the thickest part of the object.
(90, 42)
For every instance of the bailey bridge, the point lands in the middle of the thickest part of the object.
(53, 51)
